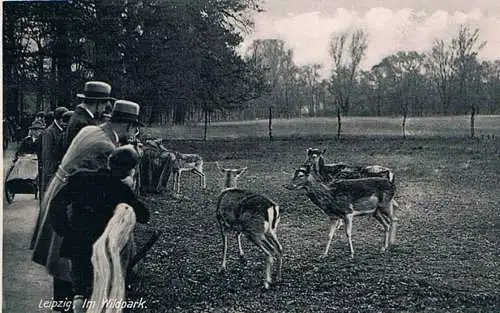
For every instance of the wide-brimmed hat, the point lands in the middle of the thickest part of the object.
(126, 111)
(96, 90)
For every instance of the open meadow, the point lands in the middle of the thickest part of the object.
(446, 257)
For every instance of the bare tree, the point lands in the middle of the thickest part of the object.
(346, 52)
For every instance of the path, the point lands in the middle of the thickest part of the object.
(25, 283)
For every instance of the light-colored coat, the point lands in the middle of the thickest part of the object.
(89, 151)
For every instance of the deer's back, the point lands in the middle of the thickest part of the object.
(240, 207)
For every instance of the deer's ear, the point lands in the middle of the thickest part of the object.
(309, 150)
(324, 151)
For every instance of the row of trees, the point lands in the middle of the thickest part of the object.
(449, 79)
(177, 58)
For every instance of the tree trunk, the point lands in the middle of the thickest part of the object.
(206, 126)
(339, 123)
(39, 97)
(404, 124)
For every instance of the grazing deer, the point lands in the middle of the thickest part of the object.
(344, 199)
(255, 215)
(329, 172)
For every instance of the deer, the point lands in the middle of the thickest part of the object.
(187, 163)
(344, 199)
(332, 171)
(182, 162)
(328, 172)
(255, 215)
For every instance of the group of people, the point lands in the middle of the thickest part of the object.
(85, 165)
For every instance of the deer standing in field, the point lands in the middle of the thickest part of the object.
(329, 172)
(183, 162)
(187, 163)
(255, 215)
(332, 171)
(344, 199)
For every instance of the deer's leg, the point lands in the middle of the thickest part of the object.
(382, 220)
(176, 187)
(348, 231)
(266, 247)
(178, 190)
(278, 250)
(202, 178)
(240, 248)
(224, 248)
(333, 227)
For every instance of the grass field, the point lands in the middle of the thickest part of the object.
(450, 126)
(447, 253)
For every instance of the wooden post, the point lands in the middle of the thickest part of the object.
(472, 115)
(270, 123)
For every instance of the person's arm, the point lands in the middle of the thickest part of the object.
(140, 209)
(58, 214)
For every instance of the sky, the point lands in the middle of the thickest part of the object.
(392, 25)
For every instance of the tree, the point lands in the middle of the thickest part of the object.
(400, 74)
(347, 53)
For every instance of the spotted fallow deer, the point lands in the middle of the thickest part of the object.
(255, 215)
(344, 199)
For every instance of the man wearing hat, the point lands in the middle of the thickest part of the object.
(88, 152)
(51, 152)
(95, 98)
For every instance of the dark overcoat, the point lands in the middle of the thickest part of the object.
(50, 155)
(88, 152)
(78, 120)
(93, 197)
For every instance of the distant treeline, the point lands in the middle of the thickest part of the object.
(180, 61)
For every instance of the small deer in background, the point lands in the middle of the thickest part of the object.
(187, 163)
(329, 172)
(344, 199)
(255, 215)
(183, 162)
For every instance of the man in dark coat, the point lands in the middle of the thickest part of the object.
(88, 152)
(93, 197)
(51, 152)
(95, 99)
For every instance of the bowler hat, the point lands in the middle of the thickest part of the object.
(96, 90)
(59, 111)
(125, 111)
(67, 116)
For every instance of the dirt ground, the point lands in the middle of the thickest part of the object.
(446, 258)
(25, 283)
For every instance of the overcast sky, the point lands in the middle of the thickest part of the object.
(392, 25)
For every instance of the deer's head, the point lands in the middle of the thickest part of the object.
(231, 175)
(300, 179)
(315, 158)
